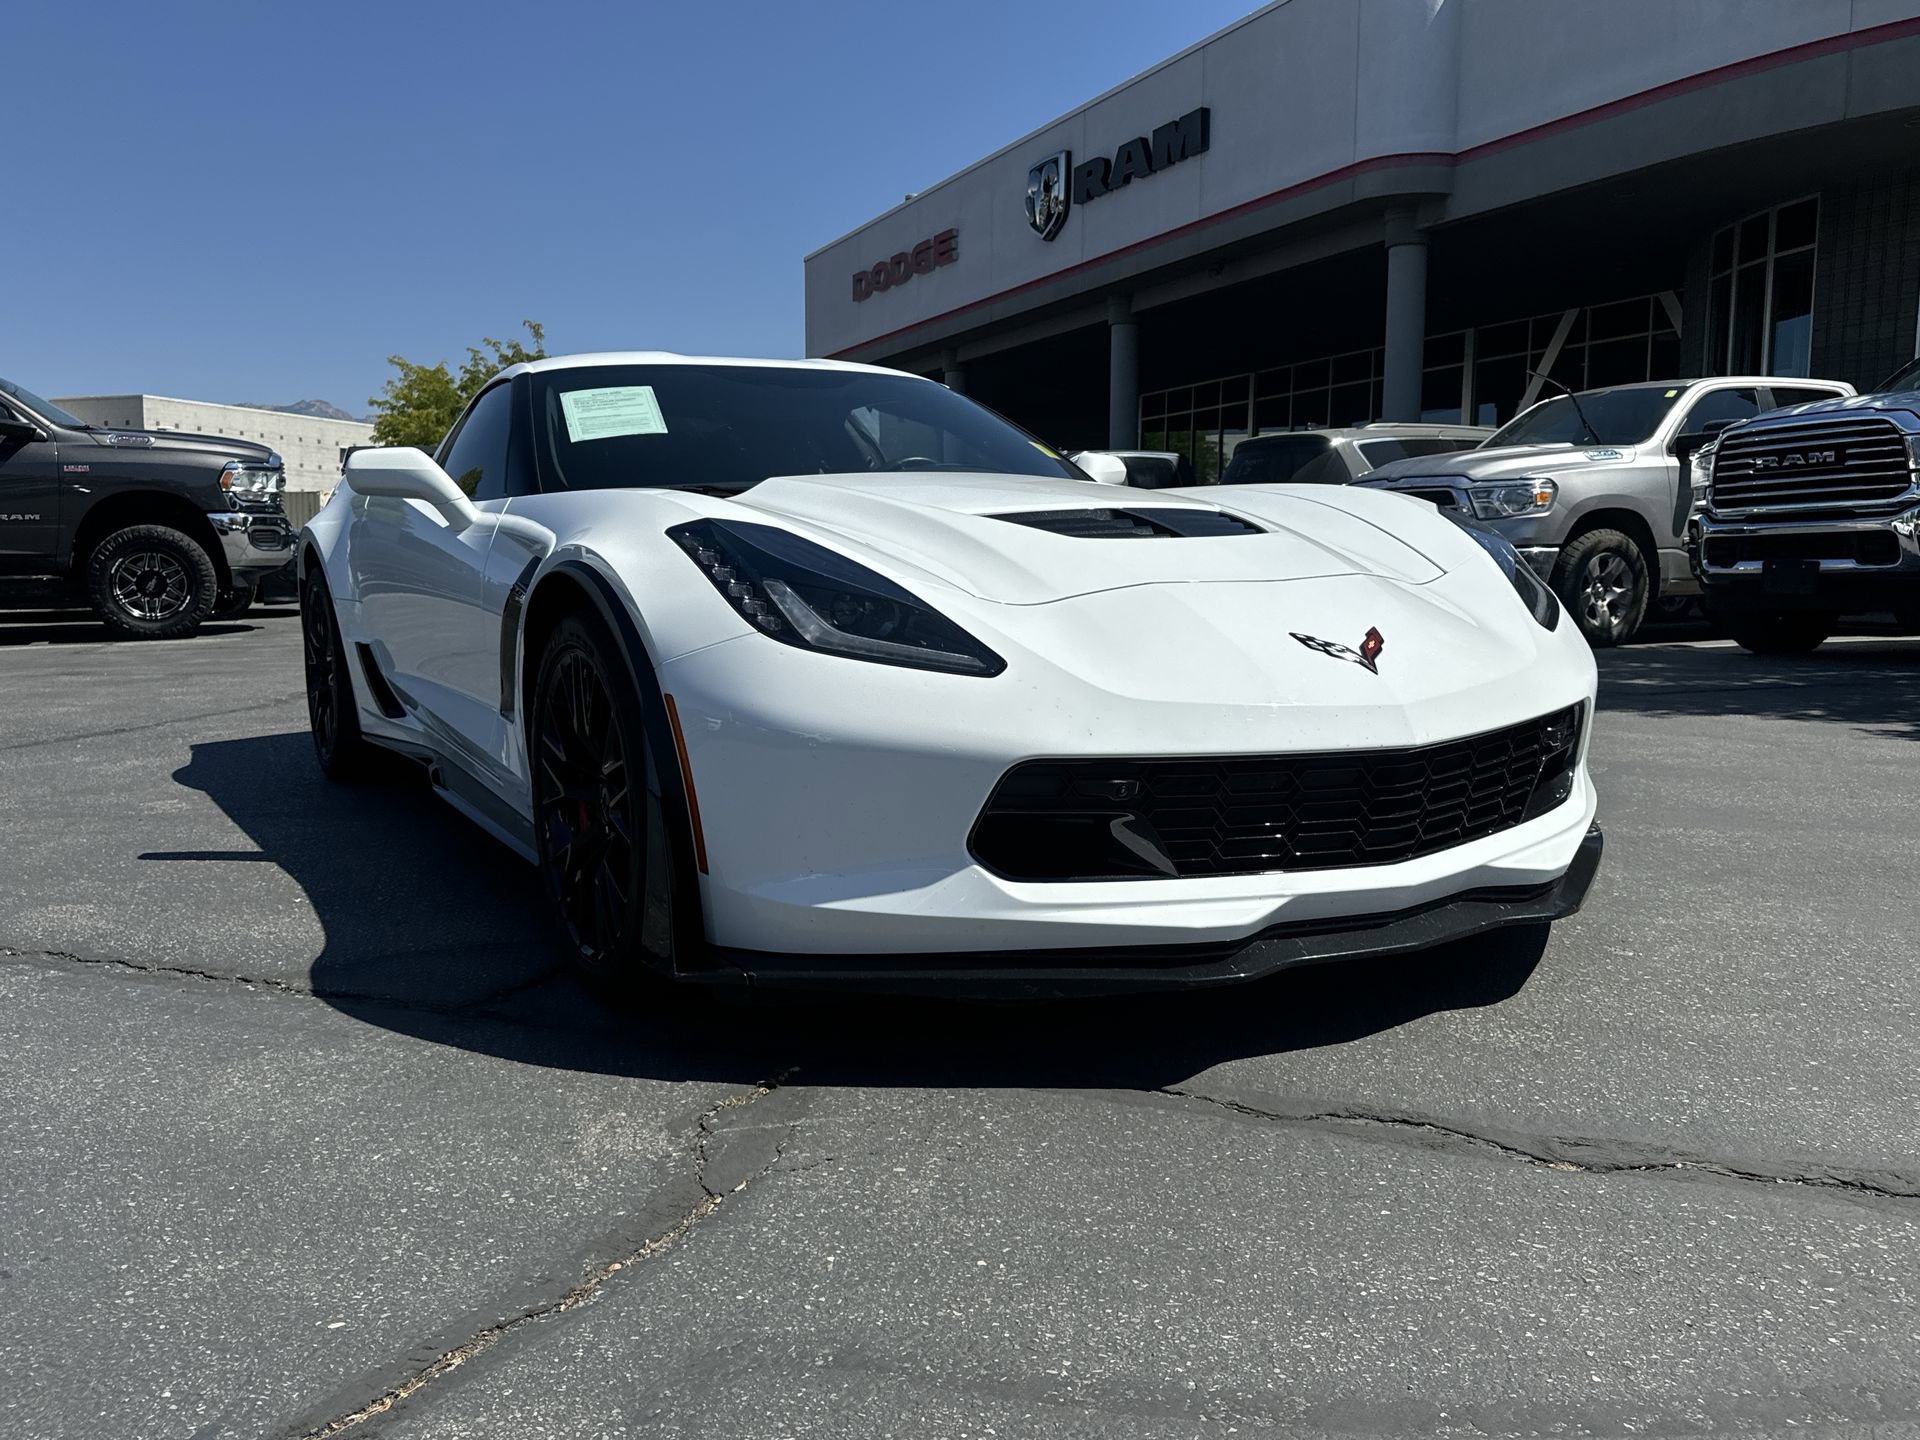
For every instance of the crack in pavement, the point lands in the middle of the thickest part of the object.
(1570, 1154)
(596, 1278)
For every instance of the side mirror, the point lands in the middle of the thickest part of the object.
(23, 431)
(1694, 439)
(1102, 467)
(400, 472)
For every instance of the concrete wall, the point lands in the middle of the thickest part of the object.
(1458, 106)
(310, 446)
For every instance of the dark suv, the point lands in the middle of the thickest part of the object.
(159, 531)
(1338, 457)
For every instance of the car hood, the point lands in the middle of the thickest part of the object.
(1908, 400)
(176, 442)
(1509, 462)
(965, 531)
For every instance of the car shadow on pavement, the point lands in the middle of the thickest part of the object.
(435, 931)
(1870, 684)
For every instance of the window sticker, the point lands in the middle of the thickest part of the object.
(1670, 394)
(1050, 454)
(615, 410)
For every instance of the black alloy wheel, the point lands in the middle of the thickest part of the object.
(597, 814)
(337, 743)
(150, 585)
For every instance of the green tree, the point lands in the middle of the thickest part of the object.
(419, 405)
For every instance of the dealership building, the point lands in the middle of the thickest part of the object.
(1336, 211)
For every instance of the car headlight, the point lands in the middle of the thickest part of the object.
(803, 594)
(256, 481)
(1531, 589)
(1520, 497)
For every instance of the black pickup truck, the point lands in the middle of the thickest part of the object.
(1810, 514)
(158, 530)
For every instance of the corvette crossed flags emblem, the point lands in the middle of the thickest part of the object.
(1366, 656)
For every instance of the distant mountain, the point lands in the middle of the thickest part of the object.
(319, 409)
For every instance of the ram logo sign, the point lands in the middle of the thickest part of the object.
(1057, 183)
(1796, 458)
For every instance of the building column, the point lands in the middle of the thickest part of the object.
(1406, 328)
(1123, 374)
(952, 373)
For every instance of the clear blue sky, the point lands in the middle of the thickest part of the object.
(261, 201)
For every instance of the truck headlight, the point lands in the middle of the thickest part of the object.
(1514, 498)
(1700, 477)
(253, 481)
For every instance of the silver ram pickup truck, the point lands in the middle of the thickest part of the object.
(1594, 488)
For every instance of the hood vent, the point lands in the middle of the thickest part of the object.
(1156, 523)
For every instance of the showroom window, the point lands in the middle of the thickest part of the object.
(1760, 295)
(1621, 343)
(1207, 422)
(1484, 373)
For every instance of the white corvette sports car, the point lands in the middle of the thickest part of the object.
(817, 671)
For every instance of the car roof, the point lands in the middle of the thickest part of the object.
(668, 357)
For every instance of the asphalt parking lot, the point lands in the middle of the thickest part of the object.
(303, 1134)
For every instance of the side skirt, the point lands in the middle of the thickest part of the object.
(465, 793)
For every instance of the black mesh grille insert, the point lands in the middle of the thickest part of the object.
(1864, 547)
(1238, 815)
(1148, 523)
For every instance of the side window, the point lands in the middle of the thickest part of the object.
(1785, 395)
(1737, 404)
(477, 459)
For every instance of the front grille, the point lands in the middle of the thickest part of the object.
(1445, 499)
(1240, 815)
(1868, 547)
(1853, 464)
(1147, 523)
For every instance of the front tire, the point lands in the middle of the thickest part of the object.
(1781, 632)
(150, 582)
(338, 745)
(1602, 579)
(599, 825)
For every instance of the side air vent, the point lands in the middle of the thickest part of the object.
(383, 696)
(1155, 523)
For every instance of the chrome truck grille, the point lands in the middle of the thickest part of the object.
(1850, 464)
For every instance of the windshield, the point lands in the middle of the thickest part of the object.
(1286, 460)
(45, 409)
(726, 427)
(1625, 416)
(1907, 377)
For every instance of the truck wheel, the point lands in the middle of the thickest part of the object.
(1780, 632)
(1602, 580)
(150, 582)
(234, 603)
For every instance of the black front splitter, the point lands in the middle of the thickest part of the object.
(1110, 970)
